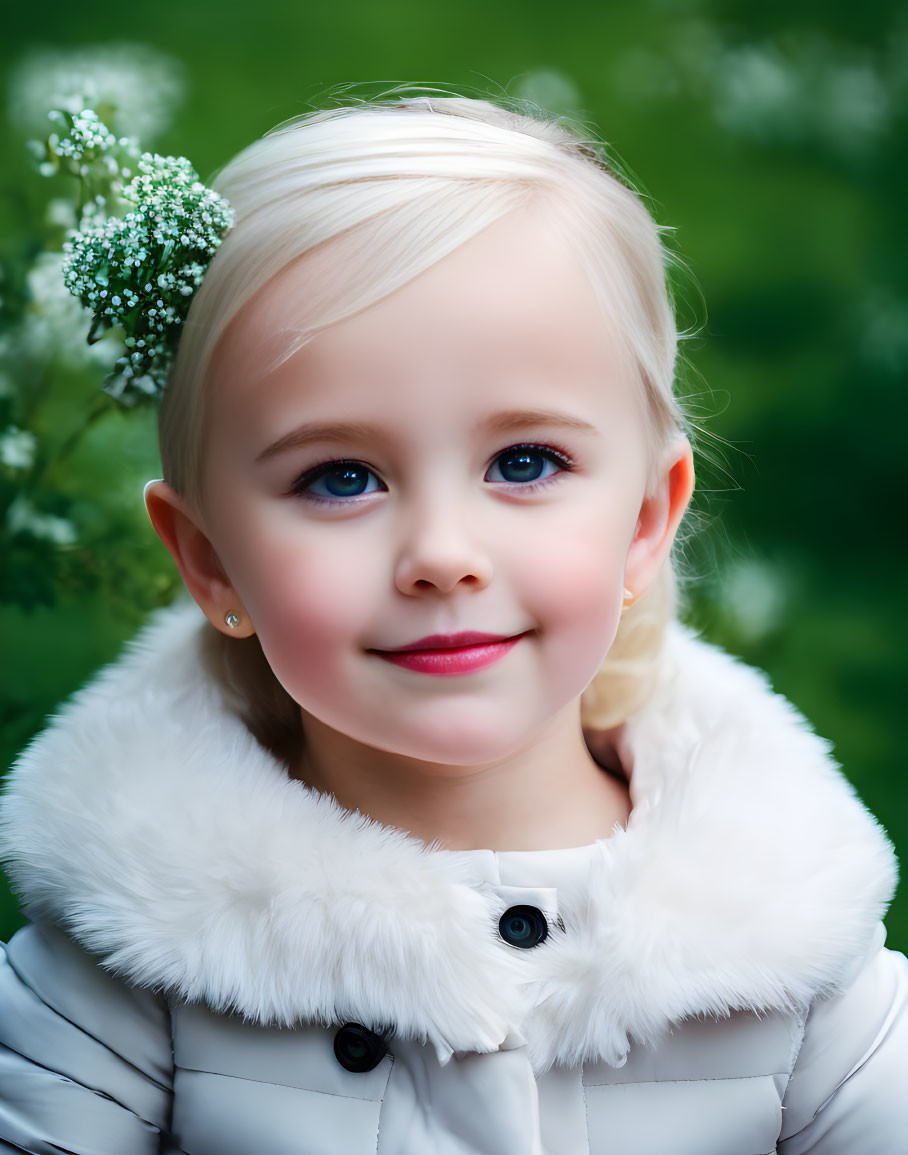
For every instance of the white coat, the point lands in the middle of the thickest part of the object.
(223, 962)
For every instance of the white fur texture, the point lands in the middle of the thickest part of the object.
(149, 823)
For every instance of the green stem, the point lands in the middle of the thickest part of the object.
(33, 397)
(94, 415)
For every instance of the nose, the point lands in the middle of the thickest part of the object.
(441, 551)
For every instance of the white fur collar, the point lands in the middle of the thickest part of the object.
(149, 823)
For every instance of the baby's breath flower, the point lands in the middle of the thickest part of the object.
(54, 324)
(85, 137)
(82, 146)
(140, 271)
(135, 88)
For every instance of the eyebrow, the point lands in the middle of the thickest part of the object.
(337, 431)
(511, 421)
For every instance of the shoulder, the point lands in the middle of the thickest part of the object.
(85, 1057)
(43, 963)
(849, 1077)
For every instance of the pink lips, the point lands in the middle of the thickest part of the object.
(447, 655)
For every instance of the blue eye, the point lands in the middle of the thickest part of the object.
(524, 464)
(337, 480)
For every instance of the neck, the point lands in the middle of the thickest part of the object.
(549, 794)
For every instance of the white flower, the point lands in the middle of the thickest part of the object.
(813, 89)
(140, 86)
(139, 271)
(757, 91)
(799, 88)
(550, 89)
(22, 517)
(61, 213)
(754, 594)
(17, 447)
(55, 324)
(86, 137)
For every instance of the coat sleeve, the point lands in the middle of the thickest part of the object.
(848, 1091)
(85, 1060)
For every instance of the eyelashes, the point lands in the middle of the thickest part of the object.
(521, 458)
(344, 480)
(350, 478)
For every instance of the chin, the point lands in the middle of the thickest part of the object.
(459, 746)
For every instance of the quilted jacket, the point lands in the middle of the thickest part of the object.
(223, 962)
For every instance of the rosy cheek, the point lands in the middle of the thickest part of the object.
(307, 603)
(576, 599)
(303, 641)
(308, 599)
(577, 577)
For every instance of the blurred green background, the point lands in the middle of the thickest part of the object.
(772, 140)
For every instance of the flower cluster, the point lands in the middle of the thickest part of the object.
(70, 466)
(54, 324)
(80, 145)
(139, 271)
(85, 137)
(133, 87)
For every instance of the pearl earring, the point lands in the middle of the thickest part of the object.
(232, 620)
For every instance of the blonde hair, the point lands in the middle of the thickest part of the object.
(393, 186)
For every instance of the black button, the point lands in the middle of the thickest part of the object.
(358, 1049)
(523, 926)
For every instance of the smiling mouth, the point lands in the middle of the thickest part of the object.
(450, 655)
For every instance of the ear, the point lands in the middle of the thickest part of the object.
(181, 530)
(660, 515)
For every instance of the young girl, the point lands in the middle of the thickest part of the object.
(439, 836)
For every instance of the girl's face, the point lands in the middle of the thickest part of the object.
(467, 456)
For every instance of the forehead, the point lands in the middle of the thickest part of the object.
(509, 317)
